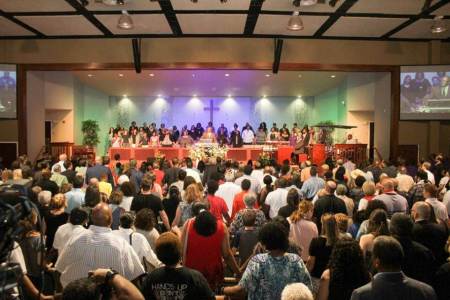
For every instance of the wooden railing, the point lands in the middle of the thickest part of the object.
(59, 148)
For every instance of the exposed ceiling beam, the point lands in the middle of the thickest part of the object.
(22, 24)
(334, 17)
(252, 17)
(425, 13)
(278, 49)
(90, 17)
(171, 16)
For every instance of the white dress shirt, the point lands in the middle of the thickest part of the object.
(96, 248)
(430, 177)
(247, 136)
(227, 191)
(255, 187)
(65, 233)
(440, 210)
(126, 202)
(61, 164)
(194, 174)
(139, 244)
(258, 174)
(276, 200)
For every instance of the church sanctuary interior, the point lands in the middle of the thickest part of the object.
(225, 149)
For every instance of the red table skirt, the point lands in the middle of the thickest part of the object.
(239, 154)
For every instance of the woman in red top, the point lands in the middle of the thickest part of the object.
(205, 243)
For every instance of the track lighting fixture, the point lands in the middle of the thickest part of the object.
(125, 21)
(295, 22)
(438, 25)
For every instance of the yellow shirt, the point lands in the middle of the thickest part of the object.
(105, 187)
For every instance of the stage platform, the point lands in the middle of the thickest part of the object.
(242, 154)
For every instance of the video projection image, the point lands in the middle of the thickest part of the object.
(425, 93)
(8, 94)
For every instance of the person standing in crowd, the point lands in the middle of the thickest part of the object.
(390, 283)
(302, 229)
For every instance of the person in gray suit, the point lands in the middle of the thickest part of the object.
(390, 283)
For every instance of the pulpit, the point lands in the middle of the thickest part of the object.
(357, 153)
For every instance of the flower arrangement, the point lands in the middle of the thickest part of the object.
(159, 156)
(200, 152)
(265, 158)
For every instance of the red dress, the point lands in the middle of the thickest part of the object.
(204, 254)
(217, 206)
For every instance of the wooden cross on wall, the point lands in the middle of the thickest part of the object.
(211, 108)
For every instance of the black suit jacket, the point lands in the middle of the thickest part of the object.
(433, 236)
(394, 286)
(170, 175)
(70, 174)
(96, 171)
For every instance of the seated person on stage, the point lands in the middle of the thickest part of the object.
(166, 142)
(261, 136)
(125, 138)
(154, 140)
(210, 125)
(198, 131)
(175, 134)
(185, 139)
(248, 137)
(350, 139)
(235, 137)
(116, 141)
(284, 133)
(274, 134)
(300, 147)
(209, 135)
(134, 137)
(222, 135)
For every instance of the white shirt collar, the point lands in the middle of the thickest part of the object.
(100, 229)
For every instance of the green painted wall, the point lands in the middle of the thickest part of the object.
(95, 105)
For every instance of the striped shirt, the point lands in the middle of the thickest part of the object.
(97, 248)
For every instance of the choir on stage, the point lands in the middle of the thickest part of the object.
(151, 136)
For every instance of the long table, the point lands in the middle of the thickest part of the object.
(240, 154)
(282, 152)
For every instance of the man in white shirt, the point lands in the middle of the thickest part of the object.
(267, 172)
(190, 171)
(255, 186)
(77, 220)
(405, 182)
(96, 248)
(136, 240)
(62, 159)
(430, 193)
(350, 139)
(227, 191)
(258, 172)
(277, 198)
(248, 136)
(426, 167)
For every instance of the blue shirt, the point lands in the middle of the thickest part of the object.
(311, 186)
(75, 198)
(266, 276)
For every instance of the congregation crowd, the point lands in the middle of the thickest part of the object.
(220, 229)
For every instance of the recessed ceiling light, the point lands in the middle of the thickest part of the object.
(195, 95)
(299, 75)
(120, 75)
(227, 75)
(299, 96)
(333, 76)
(229, 96)
(264, 96)
(90, 75)
(267, 75)
(175, 89)
(193, 75)
(151, 74)
(125, 96)
(159, 95)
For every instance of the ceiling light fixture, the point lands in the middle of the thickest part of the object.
(120, 75)
(193, 75)
(332, 3)
(112, 2)
(438, 25)
(267, 75)
(90, 75)
(295, 22)
(299, 75)
(227, 75)
(125, 21)
(333, 76)
(151, 75)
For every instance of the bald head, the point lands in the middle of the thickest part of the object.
(98, 160)
(421, 211)
(330, 187)
(63, 157)
(388, 184)
(101, 215)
